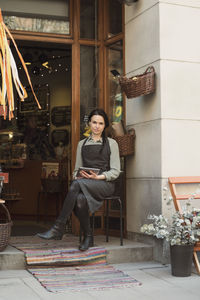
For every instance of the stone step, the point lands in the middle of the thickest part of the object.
(12, 258)
(129, 252)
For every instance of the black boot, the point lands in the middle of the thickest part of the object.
(82, 212)
(54, 233)
(86, 243)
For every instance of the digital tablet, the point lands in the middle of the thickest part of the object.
(95, 170)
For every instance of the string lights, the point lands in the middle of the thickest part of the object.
(44, 64)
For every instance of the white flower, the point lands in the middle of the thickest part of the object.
(151, 227)
(144, 228)
(185, 228)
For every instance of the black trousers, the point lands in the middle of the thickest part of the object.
(76, 201)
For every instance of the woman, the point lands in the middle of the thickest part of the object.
(87, 192)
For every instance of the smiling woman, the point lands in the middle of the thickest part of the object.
(97, 126)
(88, 190)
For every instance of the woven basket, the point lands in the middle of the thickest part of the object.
(126, 143)
(139, 85)
(5, 229)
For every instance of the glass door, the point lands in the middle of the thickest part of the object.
(89, 80)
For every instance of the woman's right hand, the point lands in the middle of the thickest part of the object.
(92, 175)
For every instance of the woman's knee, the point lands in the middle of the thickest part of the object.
(81, 202)
(74, 187)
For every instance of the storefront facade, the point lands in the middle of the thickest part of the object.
(100, 39)
(70, 47)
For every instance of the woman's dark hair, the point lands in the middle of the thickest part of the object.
(100, 112)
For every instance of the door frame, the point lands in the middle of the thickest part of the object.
(74, 40)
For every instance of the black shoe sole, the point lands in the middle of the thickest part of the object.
(51, 238)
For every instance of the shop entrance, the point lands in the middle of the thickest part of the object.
(88, 36)
(35, 146)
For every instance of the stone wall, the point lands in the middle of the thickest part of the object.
(167, 123)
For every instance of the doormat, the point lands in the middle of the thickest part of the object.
(41, 253)
(64, 256)
(59, 266)
(82, 278)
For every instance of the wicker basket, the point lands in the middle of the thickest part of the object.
(139, 85)
(5, 229)
(126, 143)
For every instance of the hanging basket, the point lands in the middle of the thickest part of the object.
(126, 143)
(139, 85)
(5, 228)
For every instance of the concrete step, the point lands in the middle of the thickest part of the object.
(129, 252)
(12, 258)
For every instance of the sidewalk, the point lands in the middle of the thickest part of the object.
(157, 284)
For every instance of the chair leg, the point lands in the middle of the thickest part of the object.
(107, 220)
(57, 204)
(121, 228)
(196, 262)
(46, 206)
(38, 206)
(93, 220)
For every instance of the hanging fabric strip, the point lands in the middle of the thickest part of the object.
(20, 89)
(9, 72)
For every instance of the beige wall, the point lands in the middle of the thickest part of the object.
(167, 123)
(143, 114)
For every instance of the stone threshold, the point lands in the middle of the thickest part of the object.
(13, 259)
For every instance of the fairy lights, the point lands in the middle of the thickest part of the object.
(45, 65)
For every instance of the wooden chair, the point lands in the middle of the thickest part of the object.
(173, 181)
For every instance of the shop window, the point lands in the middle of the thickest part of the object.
(89, 77)
(40, 134)
(115, 67)
(48, 17)
(88, 19)
(114, 18)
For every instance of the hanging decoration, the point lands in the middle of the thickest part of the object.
(9, 73)
(87, 130)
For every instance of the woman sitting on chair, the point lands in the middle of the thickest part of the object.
(88, 190)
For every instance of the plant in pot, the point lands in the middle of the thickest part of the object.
(182, 233)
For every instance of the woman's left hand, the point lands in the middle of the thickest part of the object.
(92, 175)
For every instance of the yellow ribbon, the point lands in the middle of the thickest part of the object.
(9, 72)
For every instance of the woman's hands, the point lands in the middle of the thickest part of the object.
(92, 175)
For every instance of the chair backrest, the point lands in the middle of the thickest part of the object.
(173, 181)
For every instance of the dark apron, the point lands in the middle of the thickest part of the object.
(95, 191)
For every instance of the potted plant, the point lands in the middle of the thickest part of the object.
(182, 233)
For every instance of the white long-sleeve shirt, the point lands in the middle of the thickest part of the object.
(114, 171)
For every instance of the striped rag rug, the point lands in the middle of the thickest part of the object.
(82, 278)
(64, 257)
(60, 267)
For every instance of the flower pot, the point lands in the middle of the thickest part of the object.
(181, 260)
